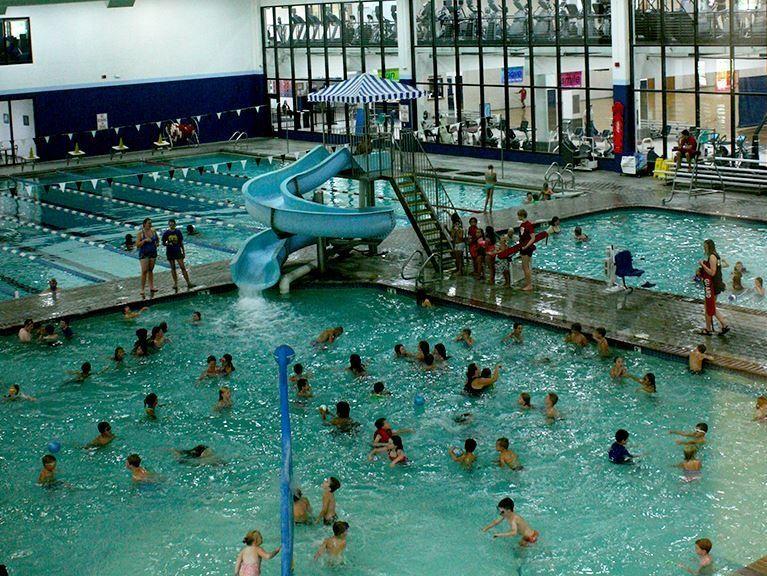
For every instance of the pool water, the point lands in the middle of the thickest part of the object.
(667, 245)
(422, 519)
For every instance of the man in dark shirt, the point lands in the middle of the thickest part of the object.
(173, 241)
(619, 454)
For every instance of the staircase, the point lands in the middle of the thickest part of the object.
(424, 199)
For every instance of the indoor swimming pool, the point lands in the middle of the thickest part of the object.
(666, 244)
(416, 520)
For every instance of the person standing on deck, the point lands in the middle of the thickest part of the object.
(173, 240)
(491, 179)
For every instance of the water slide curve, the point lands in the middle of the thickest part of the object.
(278, 199)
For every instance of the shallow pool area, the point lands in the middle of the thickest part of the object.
(425, 518)
(666, 244)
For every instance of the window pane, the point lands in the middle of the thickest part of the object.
(681, 115)
(600, 68)
(679, 24)
(424, 28)
(647, 21)
(601, 125)
(517, 24)
(16, 42)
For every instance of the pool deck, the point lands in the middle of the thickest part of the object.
(758, 568)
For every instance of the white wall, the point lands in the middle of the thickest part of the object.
(75, 44)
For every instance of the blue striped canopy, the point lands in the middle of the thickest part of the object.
(365, 88)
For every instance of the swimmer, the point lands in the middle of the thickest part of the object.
(554, 226)
(465, 418)
(342, 420)
(740, 267)
(697, 357)
(196, 317)
(138, 472)
(737, 280)
(328, 514)
(383, 434)
(603, 346)
(191, 230)
(66, 329)
(646, 383)
(129, 244)
(423, 350)
(304, 389)
(761, 408)
(394, 449)
(15, 394)
(579, 235)
(105, 436)
(48, 473)
(329, 336)
(82, 374)
(529, 198)
(440, 353)
(468, 457)
(226, 367)
(157, 339)
(53, 286)
(549, 404)
(694, 438)
(298, 373)
(150, 405)
(428, 363)
(690, 462)
(705, 562)
(507, 458)
(517, 525)
(379, 390)
(335, 545)
(400, 352)
(546, 192)
(141, 345)
(48, 335)
(224, 399)
(618, 369)
(524, 401)
(25, 332)
(576, 336)
(211, 370)
(465, 337)
(618, 453)
(119, 355)
(759, 286)
(356, 366)
(248, 561)
(515, 335)
(302, 508)
(200, 454)
(478, 383)
(129, 314)
(422, 300)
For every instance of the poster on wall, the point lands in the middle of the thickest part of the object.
(391, 74)
(571, 79)
(513, 75)
(102, 121)
(404, 113)
(286, 88)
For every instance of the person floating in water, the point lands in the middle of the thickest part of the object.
(15, 394)
(104, 438)
(129, 314)
(694, 438)
(646, 383)
(705, 562)
(550, 403)
(356, 366)
(248, 561)
(579, 235)
(224, 399)
(524, 401)
(507, 458)
(467, 457)
(517, 525)
(302, 508)
(48, 473)
(380, 391)
(515, 335)
(465, 337)
(618, 369)
(697, 357)
(82, 374)
(327, 513)
(138, 472)
(329, 335)
(342, 421)
(334, 546)
(196, 317)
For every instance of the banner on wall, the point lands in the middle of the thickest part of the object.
(286, 88)
(513, 75)
(571, 79)
(391, 74)
(102, 121)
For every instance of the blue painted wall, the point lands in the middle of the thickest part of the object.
(75, 110)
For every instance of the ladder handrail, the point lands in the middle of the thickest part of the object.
(407, 262)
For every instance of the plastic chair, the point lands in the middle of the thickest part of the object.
(624, 267)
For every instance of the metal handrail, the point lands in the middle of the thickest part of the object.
(420, 279)
(237, 136)
(568, 172)
(407, 262)
(553, 166)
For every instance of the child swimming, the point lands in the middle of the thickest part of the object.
(48, 473)
(138, 472)
(302, 509)
(705, 562)
(467, 458)
(248, 561)
(211, 369)
(696, 437)
(329, 335)
(327, 513)
(618, 369)
(761, 408)
(576, 336)
(298, 373)
(400, 352)
(394, 450)
(304, 389)
(690, 462)
(15, 394)
(550, 402)
(150, 405)
(465, 337)
(697, 357)
(105, 436)
(515, 335)
(380, 391)
(579, 235)
(356, 366)
(507, 458)
(517, 525)
(603, 346)
(82, 374)
(224, 399)
(335, 545)
(646, 383)
(342, 420)
(618, 453)
(524, 401)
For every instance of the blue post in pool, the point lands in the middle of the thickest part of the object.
(284, 356)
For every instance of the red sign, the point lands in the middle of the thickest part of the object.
(571, 79)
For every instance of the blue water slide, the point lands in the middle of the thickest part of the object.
(277, 199)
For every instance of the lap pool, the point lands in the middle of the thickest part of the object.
(418, 520)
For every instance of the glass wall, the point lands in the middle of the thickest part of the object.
(308, 47)
(16, 44)
(514, 74)
(700, 65)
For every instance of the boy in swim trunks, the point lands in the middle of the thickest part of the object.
(329, 335)
(335, 545)
(524, 401)
(696, 437)
(302, 509)
(705, 562)
(690, 462)
(468, 457)
(105, 436)
(380, 391)
(576, 336)
(48, 473)
(138, 472)
(515, 335)
(327, 514)
(603, 347)
(507, 458)
(697, 357)
(517, 525)
(551, 401)
(304, 389)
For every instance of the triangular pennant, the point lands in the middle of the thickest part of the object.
(29, 189)
(270, 158)
(333, 148)
(215, 168)
(140, 178)
(238, 112)
(296, 155)
(244, 163)
(258, 108)
(61, 186)
(138, 127)
(79, 185)
(218, 114)
(184, 172)
(178, 120)
(258, 162)
(154, 176)
(117, 129)
(201, 170)
(109, 181)
(198, 118)
(95, 183)
(47, 139)
(158, 124)
(70, 135)
(171, 173)
(229, 166)
(93, 133)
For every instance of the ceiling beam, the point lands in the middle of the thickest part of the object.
(4, 4)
